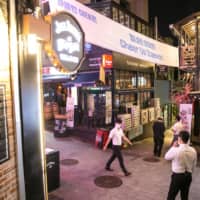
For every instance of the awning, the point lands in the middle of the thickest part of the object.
(106, 33)
(83, 79)
(55, 78)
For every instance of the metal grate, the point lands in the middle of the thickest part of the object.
(69, 162)
(108, 181)
(54, 197)
(151, 159)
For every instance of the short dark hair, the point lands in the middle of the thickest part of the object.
(184, 135)
(178, 118)
(118, 120)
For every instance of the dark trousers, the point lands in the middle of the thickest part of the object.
(179, 182)
(158, 144)
(117, 153)
(90, 122)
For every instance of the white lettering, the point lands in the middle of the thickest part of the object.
(68, 27)
(68, 45)
(68, 58)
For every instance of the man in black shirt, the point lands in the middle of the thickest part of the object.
(158, 136)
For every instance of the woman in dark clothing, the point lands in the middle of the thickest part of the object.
(158, 136)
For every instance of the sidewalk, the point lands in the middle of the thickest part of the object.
(149, 180)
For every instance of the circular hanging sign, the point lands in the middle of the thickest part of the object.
(67, 41)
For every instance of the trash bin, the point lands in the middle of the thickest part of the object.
(53, 169)
(101, 137)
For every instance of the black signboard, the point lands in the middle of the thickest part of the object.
(3, 126)
(162, 72)
(67, 41)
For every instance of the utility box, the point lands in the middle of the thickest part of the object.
(53, 169)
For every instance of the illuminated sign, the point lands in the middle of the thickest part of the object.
(99, 31)
(107, 61)
(67, 41)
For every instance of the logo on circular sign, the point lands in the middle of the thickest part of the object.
(67, 41)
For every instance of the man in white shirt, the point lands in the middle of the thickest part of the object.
(116, 135)
(184, 159)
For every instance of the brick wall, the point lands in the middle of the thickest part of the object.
(8, 169)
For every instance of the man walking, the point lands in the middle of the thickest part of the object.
(116, 135)
(184, 159)
(158, 136)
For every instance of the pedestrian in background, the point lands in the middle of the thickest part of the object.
(184, 159)
(117, 135)
(176, 128)
(158, 136)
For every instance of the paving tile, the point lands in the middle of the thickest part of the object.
(148, 181)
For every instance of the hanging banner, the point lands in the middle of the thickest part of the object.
(106, 33)
(108, 117)
(186, 116)
(70, 112)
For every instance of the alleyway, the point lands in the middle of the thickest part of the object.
(148, 181)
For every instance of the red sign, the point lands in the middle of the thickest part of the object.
(107, 61)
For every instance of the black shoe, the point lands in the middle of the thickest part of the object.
(127, 173)
(109, 169)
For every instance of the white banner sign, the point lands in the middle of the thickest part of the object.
(108, 118)
(186, 116)
(70, 112)
(106, 33)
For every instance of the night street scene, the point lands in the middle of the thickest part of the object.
(99, 100)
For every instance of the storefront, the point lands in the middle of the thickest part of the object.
(130, 76)
(187, 31)
(24, 162)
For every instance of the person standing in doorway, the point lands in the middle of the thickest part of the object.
(158, 136)
(184, 159)
(176, 128)
(117, 135)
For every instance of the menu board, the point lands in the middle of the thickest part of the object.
(135, 115)
(126, 121)
(144, 116)
(151, 114)
(3, 126)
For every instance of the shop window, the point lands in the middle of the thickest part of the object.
(105, 11)
(132, 23)
(121, 17)
(125, 79)
(139, 27)
(145, 80)
(127, 20)
(143, 29)
(151, 34)
(115, 15)
(147, 31)
(145, 98)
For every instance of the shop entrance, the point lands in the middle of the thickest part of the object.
(94, 107)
